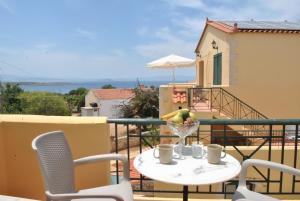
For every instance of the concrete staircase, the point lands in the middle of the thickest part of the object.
(217, 103)
(204, 100)
(202, 106)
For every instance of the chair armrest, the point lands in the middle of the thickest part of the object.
(65, 196)
(267, 164)
(103, 157)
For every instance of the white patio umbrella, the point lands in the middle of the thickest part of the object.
(172, 61)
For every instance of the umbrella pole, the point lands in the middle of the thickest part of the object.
(173, 75)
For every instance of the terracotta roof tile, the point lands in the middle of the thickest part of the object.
(113, 94)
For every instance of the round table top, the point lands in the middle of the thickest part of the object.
(188, 171)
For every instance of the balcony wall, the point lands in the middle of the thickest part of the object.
(167, 104)
(19, 170)
(3, 188)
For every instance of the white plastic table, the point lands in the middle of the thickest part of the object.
(189, 171)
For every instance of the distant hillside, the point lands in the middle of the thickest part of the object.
(26, 80)
(41, 83)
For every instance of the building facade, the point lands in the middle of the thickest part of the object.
(108, 100)
(256, 61)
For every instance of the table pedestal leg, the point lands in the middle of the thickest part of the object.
(185, 193)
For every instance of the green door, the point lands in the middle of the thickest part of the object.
(217, 69)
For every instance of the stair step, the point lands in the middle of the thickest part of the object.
(223, 115)
(203, 110)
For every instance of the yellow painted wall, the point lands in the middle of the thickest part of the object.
(3, 188)
(267, 69)
(86, 136)
(262, 69)
(261, 154)
(207, 54)
(166, 104)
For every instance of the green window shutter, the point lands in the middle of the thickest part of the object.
(217, 76)
(220, 68)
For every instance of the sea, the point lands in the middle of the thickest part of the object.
(64, 88)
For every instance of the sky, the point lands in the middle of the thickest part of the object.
(115, 39)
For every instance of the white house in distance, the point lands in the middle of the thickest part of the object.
(105, 102)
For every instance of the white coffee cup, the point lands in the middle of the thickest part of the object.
(214, 153)
(165, 153)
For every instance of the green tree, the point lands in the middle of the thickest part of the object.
(44, 103)
(108, 86)
(143, 104)
(10, 102)
(76, 98)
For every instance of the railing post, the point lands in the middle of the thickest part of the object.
(141, 149)
(234, 109)
(189, 97)
(269, 157)
(128, 144)
(282, 155)
(221, 99)
(295, 156)
(224, 136)
(211, 101)
(116, 145)
(211, 134)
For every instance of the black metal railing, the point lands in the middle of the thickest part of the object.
(221, 100)
(278, 142)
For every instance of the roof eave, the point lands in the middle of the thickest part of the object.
(269, 30)
(198, 44)
(219, 26)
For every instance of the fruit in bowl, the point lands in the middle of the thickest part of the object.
(180, 117)
(183, 123)
(188, 121)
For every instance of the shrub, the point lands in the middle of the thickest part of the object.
(44, 103)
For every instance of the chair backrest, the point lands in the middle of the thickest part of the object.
(56, 162)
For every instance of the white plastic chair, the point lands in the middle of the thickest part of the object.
(57, 168)
(242, 193)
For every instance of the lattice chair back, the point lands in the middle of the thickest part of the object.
(56, 162)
